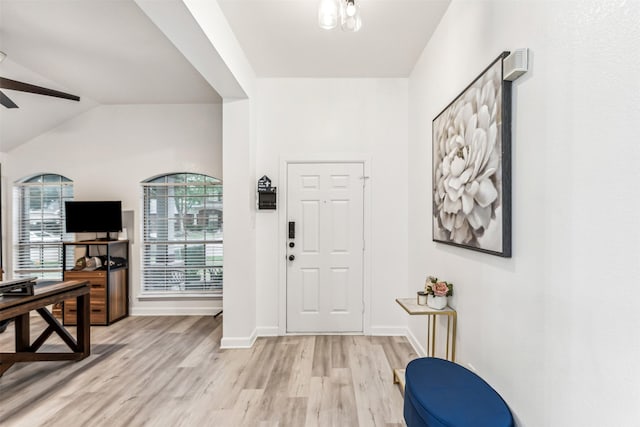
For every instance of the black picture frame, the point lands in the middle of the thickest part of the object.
(471, 148)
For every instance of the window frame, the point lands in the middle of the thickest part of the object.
(49, 245)
(174, 261)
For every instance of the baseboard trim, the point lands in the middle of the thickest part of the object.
(239, 342)
(267, 331)
(273, 331)
(420, 351)
(174, 311)
(388, 331)
(380, 331)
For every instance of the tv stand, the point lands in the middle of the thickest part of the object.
(109, 284)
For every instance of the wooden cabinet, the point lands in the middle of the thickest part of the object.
(109, 294)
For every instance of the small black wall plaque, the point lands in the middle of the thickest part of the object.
(264, 183)
(267, 195)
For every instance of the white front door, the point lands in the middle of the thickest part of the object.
(324, 266)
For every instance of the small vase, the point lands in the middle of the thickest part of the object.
(436, 302)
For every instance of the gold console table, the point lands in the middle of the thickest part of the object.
(411, 306)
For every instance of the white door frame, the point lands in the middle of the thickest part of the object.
(285, 160)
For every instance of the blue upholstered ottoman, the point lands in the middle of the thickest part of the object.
(439, 393)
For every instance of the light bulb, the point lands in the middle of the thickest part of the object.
(352, 24)
(350, 9)
(350, 17)
(328, 14)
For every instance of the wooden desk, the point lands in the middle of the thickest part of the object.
(18, 308)
(411, 306)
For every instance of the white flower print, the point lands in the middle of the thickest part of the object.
(467, 185)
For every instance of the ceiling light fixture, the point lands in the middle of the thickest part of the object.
(346, 11)
(328, 14)
(27, 87)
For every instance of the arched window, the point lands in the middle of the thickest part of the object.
(182, 233)
(39, 225)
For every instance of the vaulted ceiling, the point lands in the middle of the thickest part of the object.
(109, 52)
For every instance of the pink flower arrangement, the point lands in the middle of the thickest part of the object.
(438, 288)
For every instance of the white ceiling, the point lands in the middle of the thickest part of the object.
(109, 52)
(282, 39)
(105, 51)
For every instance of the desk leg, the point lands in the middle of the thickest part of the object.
(84, 325)
(23, 337)
(23, 340)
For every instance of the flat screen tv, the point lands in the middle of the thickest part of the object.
(93, 217)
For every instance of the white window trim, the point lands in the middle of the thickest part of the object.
(146, 294)
(19, 222)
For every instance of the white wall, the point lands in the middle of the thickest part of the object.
(201, 32)
(555, 328)
(239, 326)
(333, 118)
(109, 150)
(216, 28)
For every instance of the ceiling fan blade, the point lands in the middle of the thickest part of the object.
(4, 100)
(26, 87)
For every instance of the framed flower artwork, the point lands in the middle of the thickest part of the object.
(472, 166)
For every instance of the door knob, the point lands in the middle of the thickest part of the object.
(292, 257)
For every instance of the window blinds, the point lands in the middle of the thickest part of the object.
(39, 229)
(182, 235)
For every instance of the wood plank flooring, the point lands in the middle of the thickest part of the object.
(170, 371)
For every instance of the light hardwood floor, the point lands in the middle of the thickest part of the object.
(170, 371)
